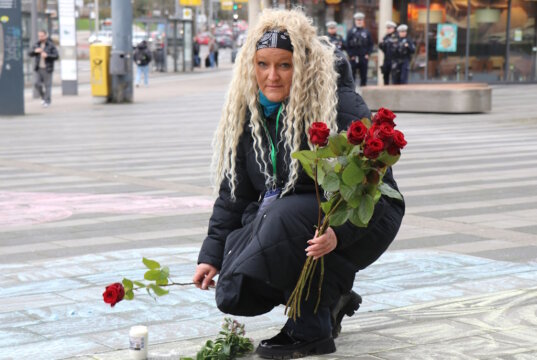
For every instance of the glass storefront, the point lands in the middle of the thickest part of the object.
(489, 41)
(471, 40)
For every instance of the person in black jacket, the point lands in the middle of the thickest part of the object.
(45, 53)
(402, 55)
(142, 57)
(359, 46)
(262, 226)
(333, 36)
(388, 46)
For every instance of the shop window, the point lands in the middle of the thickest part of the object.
(522, 41)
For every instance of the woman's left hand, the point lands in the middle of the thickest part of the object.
(322, 245)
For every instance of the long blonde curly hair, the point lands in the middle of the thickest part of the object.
(312, 98)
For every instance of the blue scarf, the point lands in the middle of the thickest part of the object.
(269, 107)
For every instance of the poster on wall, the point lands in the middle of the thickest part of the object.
(446, 38)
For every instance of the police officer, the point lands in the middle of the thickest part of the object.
(404, 50)
(359, 46)
(333, 36)
(388, 46)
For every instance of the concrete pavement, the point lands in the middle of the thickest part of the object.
(87, 189)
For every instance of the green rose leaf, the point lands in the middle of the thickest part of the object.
(152, 275)
(327, 205)
(387, 190)
(307, 160)
(150, 264)
(331, 182)
(352, 175)
(339, 217)
(165, 271)
(127, 284)
(139, 284)
(388, 159)
(158, 290)
(338, 144)
(377, 196)
(325, 152)
(320, 174)
(366, 122)
(129, 295)
(346, 191)
(338, 167)
(366, 209)
(163, 277)
(354, 218)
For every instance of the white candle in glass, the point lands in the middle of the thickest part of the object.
(138, 342)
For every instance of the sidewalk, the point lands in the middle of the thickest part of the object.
(87, 189)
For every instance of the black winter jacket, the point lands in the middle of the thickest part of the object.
(52, 55)
(228, 215)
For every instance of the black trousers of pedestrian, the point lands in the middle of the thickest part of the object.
(386, 71)
(400, 72)
(43, 84)
(361, 66)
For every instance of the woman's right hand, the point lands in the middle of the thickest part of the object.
(203, 277)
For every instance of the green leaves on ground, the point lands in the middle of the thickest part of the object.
(230, 344)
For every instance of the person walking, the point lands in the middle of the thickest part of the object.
(262, 226)
(142, 58)
(159, 57)
(359, 46)
(45, 54)
(333, 36)
(388, 46)
(402, 55)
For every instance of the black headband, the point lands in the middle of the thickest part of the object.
(275, 39)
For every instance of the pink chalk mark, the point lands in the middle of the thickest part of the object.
(27, 208)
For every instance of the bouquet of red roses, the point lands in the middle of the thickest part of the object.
(349, 167)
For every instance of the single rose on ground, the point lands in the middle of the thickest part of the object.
(113, 294)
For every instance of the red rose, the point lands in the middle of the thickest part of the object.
(357, 132)
(319, 133)
(399, 139)
(385, 131)
(384, 116)
(372, 148)
(393, 150)
(113, 294)
(372, 130)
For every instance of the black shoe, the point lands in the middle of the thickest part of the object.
(284, 346)
(346, 305)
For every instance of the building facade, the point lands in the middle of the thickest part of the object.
(492, 41)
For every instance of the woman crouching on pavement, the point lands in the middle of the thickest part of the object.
(262, 226)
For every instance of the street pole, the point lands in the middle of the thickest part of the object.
(385, 14)
(121, 54)
(96, 8)
(254, 9)
(33, 23)
(210, 19)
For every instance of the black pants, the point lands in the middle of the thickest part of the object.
(43, 84)
(386, 70)
(360, 63)
(400, 72)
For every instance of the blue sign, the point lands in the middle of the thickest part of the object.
(446, 38)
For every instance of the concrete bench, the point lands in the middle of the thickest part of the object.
(432, 98)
